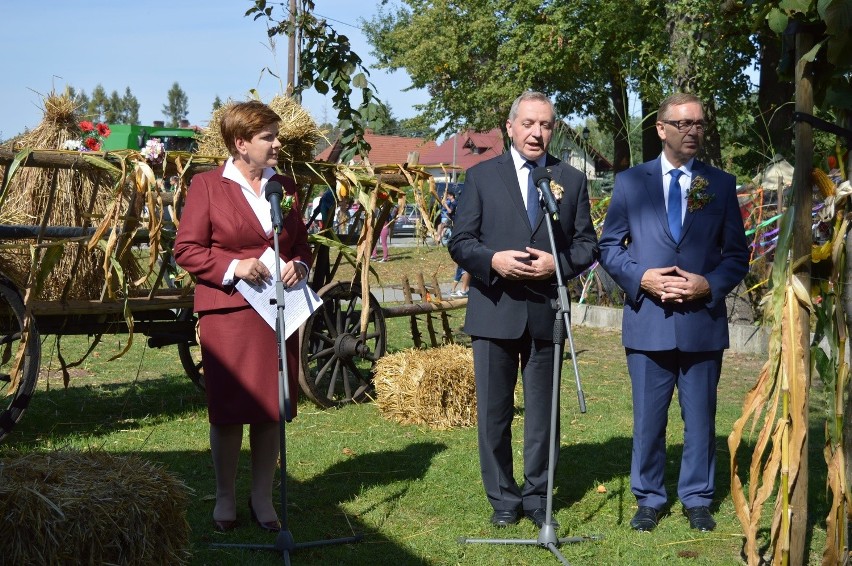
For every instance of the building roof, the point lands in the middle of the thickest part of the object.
(465, 149)
(383, 149)
(601, 162)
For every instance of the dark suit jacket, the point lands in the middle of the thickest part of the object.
(218, 226)
(636, 237)
(491, 217)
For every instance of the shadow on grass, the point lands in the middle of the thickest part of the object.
(315, 511)
(96, 409)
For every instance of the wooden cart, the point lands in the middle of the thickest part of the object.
(340, 342)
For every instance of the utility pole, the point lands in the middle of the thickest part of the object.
(291, 51)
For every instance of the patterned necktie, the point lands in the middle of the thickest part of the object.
(533, 207)
(674, 208)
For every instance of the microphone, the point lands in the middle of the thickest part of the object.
(274, 193)
(541, 179)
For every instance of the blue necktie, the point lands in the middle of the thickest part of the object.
(674, 209)
(533, 207)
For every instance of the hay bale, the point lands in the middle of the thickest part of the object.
(59, 197)
(297, 131)
(71, 507)
(434, 387)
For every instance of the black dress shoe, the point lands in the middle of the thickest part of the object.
(504, 517)
(269, 526)
(645, 519)
(700, 519)
(538, 517)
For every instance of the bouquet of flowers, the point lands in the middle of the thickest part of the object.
(91, 138)
(697, 197)
(154, 151)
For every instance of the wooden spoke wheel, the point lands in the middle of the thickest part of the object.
(14, 403)
(190, 352)
(337, 361)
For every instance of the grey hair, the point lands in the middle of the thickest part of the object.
(531, 95)
(677, 100)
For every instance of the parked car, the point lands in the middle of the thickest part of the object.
(406, 223)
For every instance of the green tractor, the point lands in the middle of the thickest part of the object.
(135, 136)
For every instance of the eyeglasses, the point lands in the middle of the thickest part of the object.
(684, 126)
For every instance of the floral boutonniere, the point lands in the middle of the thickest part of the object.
(556, 188)
(287, 204)
(697, 197)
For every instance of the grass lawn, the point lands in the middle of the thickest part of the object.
(411, 491)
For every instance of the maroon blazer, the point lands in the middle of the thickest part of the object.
(217, 225)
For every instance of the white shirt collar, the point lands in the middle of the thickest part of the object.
(231, 172)
(519, 160)
(667, 166)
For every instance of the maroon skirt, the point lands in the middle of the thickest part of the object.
(239, 354)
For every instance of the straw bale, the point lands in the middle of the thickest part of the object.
(297, 131)
(81, 198)
(434, 387)
(71, 507)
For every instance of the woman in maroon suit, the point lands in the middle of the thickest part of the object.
(224, 228)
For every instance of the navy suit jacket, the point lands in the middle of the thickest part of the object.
(491, 217)
(636, 237)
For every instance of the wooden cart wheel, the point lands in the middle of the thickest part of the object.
(337, 363)
(11, 328)
(190, 352)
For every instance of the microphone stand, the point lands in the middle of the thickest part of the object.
(547, 535)
(284, 543)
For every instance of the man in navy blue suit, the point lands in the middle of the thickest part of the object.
(500, 237)
(673, 240)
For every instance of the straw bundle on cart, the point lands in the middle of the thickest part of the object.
(71, 507)
(297, 131)
(62, 197)
(434, 387)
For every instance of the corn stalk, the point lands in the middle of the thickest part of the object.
(778, 399)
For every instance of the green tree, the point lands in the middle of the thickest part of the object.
(81, 99)
(217, 103)
(328, 64)
(98, 104)
(416, 127)
(129, 108)
(475, 57)
(113, 113)
(177, 107)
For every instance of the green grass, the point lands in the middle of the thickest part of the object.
(411, 491)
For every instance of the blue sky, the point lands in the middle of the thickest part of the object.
(207, 46)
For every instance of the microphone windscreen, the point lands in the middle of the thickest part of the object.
(273, 188)
(540, 173)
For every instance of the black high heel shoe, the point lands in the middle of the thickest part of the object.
(269, 526)
(224, 526)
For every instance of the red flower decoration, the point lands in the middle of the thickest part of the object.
(86, 126)
(103, 130)
(92, 144)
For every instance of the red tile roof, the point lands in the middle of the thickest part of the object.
(384, 149)
(470, 148)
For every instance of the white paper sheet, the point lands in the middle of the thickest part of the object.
(300, 301)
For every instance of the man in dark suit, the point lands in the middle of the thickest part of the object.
(500, 238)
(673, 240)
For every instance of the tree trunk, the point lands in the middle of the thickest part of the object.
(621, 141)
(651, 145)
(774, 99)
(846, 304)
(712, 142)
(802, 241)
